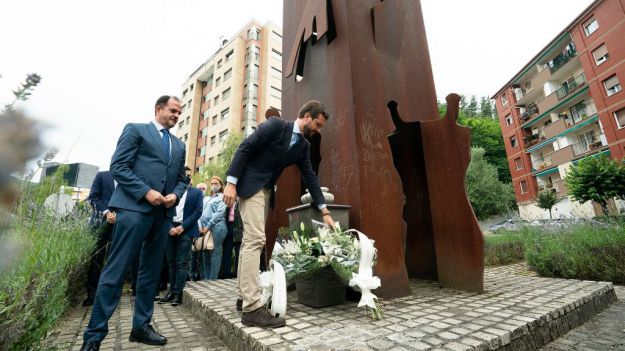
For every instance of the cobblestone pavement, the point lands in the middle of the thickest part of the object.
(605, 331)
(182, 330)
(518, 311)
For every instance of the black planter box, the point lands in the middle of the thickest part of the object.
(322, 289)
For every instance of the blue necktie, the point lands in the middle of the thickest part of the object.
(295, 138)
(165, 140)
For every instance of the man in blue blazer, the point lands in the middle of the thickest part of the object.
(181, 235)
(102, 221)
(148, 165)
(255, 168)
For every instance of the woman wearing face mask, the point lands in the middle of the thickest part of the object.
(213, 219)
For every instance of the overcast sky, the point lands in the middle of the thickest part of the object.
(104, 63)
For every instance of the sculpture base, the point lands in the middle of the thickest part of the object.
(516, 312)
(306, 212)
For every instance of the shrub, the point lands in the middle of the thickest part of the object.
(582, 251)
(34, 290)
(501, 249)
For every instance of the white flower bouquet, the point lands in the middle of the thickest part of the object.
(307, 251)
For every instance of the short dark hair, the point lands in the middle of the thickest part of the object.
(163, 100)
(315, 108)
(187, 168)
(272, 112)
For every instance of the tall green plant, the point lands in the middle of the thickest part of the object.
(36, 289)
(488, 195)
(596, 179)
(221, 165)
(546, 200)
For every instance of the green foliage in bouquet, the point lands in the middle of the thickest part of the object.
(307, 251)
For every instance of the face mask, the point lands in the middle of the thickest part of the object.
(215, 188)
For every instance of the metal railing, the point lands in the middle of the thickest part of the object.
(530, 111)
(563, 58)
(588, 146)
(569, 87)
(542, 163)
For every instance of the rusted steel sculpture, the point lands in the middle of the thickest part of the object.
(449, 243)
(356, 57)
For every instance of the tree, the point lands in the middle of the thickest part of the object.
(486, 134)
(596, 179)
(220, 167)
(486, 108)
(546, 200)
(471, 109)
(488, 195)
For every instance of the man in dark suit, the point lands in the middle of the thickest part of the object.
(148, 165)
(102, 221)
(255, 168)
(181, 235)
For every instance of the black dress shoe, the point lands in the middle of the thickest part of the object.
(177, 300)
(167, 298)
(88, 301)
(239, 305)
(147, 335)
(90, 346)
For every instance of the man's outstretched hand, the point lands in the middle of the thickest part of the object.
(327, 218)
(230, 194)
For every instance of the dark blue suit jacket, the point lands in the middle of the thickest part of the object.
(262, 156)
(101, 190)
(193, 206)
(140, 164)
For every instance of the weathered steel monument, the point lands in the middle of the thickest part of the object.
(368, 62)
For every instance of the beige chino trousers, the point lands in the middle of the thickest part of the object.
(254, 212)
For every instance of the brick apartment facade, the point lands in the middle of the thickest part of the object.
(230, 92)
(566, 104)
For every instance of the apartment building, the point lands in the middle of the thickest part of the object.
(230, 92)
(564, 105)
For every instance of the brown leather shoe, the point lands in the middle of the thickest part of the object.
(262, 318)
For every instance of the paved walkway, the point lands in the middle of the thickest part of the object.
(605, 331)
(183, 331)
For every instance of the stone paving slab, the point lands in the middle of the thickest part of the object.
(516, 312)
(183, 331)
(605, 331)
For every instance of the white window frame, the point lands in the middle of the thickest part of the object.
(516, 165)
(603, 58)
(521, 187)
(616, 117)
(588, 30)
(504, 99)
(613, 89)
(515, 139)
(509, 120)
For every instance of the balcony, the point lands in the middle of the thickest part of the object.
(555, 128)
(531, 111)
(547, 102)
(562, 59)
(532, 88)
(532, 139)
(569, 87)
(560, 187)
(543, 163)
(586, 147)
(207, 89)
(205, 106)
